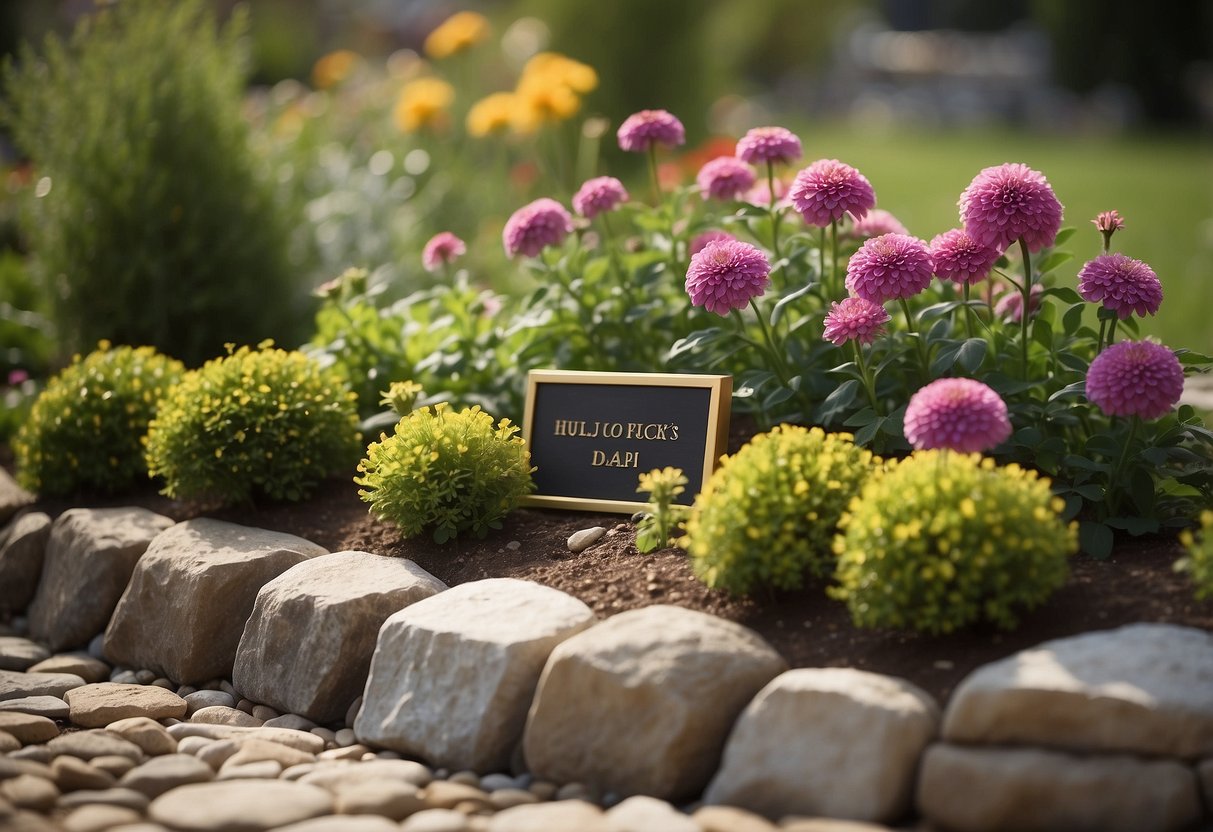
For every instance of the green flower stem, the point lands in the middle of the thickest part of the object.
(1112, 332)
(968, 309)
(835, 285)
(1103, 331)
(780, 367)
(656, 183)
(821, 262)
(924, 359)
(1026, 290)
(775, 215)
(586, 322)
(1112, 492)
(869, 383)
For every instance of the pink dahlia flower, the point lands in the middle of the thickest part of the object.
(889, 267)
(642, 130)
(443, 247)
(1010, 303)
(725, 177)
(827, 189)
(959, 414)
(1108, 222)
(1122, 284)
(855, 319)
(714, 236)
(726, 275)
(535, 226)
(769, 144)
(598, 196)
(1135, 378)
(960, 258)
(876, 222)
(1005, 203)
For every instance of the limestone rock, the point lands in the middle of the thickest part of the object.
(335, 605)
(836, 742)
(219, 715)
(200, 699)
(1143, 689)
(89, 559)
(8, 743)
(22, 552)
(730, 819)
(978, 789)
(161, 774)
(13, 497)
(146, 733)
(28, 728)
(550, 817)
(295, 739)
(72, 774)
(214, 569)
(437, 820)
(95, 706)
(25, 791)
(337, 775)
(342, 823)
(388, 798)
(96, 743)
(99, 817)
(239, 805)
(255, 750)
(16, 685)
(581, 540)
(17, 653)
(647, 814)
(453, 675)
(51, 707)
(78, 664)
(643, 702)
(116, 796)
(798, 824)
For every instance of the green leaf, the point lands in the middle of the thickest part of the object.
(945, 358)
(972, 353)
(1095, 539)
(1192, 357)
(839, 400)
(781, 307)
(1072, 319)
(1078, 388)
(868, 432)
(777, 396)
(1054, 260)
(861, 418)
(1135, 526)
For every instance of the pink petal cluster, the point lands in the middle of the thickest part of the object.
(959, 414)
(725, 177)
(647, 128)
(1121, 284)
(827, 189)
(1010, 303)
(889, 267)
(725, 275)
(443, 247)
(855, 319)
(769, 144)
(714, 236)
(760, 193)
(1108, 222)
(535, 226)
(877, 221)
(960, 258)
(1008, 202)
(599, 195)
(1135, 378)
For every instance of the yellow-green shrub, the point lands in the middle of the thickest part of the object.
(83, 432)
(446, 471)
(767, 515)
(1199, 560)
(942, 540)
(262, 422)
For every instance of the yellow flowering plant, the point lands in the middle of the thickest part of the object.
(1198, 560)
(459, 32)
(656, 528)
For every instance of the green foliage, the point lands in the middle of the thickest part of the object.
(767, 515)
(153, 223)
(446, 471)
(262, 422)
(84, 432)
(25, 332)
(942, 540)
(664, 486)
(1199, 559)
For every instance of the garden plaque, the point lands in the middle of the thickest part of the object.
(592, 434)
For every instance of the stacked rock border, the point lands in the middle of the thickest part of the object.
(208, 676)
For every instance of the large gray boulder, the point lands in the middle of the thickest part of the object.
(1033, 790)
(22, 552)
(192, 592)
(453, 675)
(833, 742)
(1145, 689)
(13, 497)
(643, 702)
(334, 604)
(89, 559)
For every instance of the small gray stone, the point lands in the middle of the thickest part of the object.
(99, 818)
(96, 646)
(78, 664)
(123, 677)
(89, 744)
(493, 782)
(509, 798)
(200, 699)
(28, 728)
(579, 541)
(345, 738)
(250, 805)
(329, 736)
(33, 753)
(352, 713)
(294, 722)
(443, 794)
(11, 766)
(113, 764)
(51, 707)
(15, 685)
(17, 653)
(264, 713)
(73, 775)
(117, 796)
(193, 745)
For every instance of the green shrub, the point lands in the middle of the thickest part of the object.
(767, 515)
(262, 422)
(446, 471)
(942, 540)
(155, 224)
(84, 431)
(1199, 560)
(655, 529)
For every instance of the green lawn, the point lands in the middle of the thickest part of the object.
(1163, 187)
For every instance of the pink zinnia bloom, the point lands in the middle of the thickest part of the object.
(726, 275)
(17, 377)
(855, 318)
(760, 193)
(599, 195)
(642, 130)
(1122, 284)
(960, 258)
(1010, 303)
(889, 267)
(443, 247)
(827, 189)
(877, 221)
(1005, 203)
(1108, 222)
(714, 236)
(769, 144)
(959, 414)
(535, 226)
(1135, 378)
(724, 177)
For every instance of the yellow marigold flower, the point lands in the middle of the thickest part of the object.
(333, 68)
(458, 32)
(543, 101)
(423, 103)
(492, 114)
(561, 70)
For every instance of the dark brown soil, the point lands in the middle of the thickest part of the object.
(810, 630)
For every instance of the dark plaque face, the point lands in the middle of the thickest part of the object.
(592, 434)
